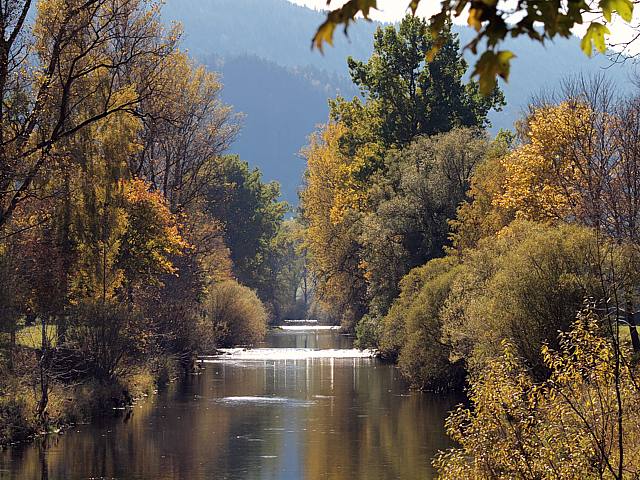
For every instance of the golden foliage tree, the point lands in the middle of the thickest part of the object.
(580, 423)
(331, 205)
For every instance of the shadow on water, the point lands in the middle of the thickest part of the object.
(307, 418)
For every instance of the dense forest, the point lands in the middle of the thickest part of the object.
(500, 263)
(504, 265)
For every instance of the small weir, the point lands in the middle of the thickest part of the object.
(309, 330)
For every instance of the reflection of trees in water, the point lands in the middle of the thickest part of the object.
(352, 423)
(96, 451)
(44, 467)
(378, 432)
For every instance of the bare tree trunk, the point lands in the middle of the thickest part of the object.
(633, 330)
(43, 373)
(12, 348)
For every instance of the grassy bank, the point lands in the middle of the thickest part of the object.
(80, 402)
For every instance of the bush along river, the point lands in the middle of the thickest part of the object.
(303, 405)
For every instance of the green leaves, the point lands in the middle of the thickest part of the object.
(623, 7)
(594, 38)
(490, 66)
(540, 20)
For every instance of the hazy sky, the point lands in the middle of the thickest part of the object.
(389, 10)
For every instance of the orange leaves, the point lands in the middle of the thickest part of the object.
(152, 235)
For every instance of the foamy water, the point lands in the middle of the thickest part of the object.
(309, 327)
(285, 354)
(258, 400)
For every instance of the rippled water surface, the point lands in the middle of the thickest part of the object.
(303, 406)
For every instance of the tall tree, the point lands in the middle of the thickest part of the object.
(413, 96)
(329, 206)
(251, 213)
(44, 96)
(187, 128)
(424, 185)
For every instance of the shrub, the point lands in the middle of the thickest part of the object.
(237, 315)
(368, 332)
(567, 427)
(107, 335)
(412, 329)
(16, 424)
(524, 286)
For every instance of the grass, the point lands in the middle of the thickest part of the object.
(31, 337)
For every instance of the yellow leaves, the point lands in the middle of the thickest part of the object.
(624, 8)
(330, 201)
(324, 35)
(490, 66)
(332, 189)
(554, 428)
(343, 15)
(475, 18)
(152, 235)
(535, 172)
(594, 37)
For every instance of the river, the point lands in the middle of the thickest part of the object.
(305, 405)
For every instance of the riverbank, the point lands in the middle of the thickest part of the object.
(80, 402)
(271, 418)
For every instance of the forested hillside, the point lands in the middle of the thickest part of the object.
(271, 39)
(280, 106)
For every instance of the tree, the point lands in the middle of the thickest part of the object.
(580, 423)
(286, 263)
(424, 184)
(534, 185)
(579, 164)
(379, 192)
(524, 285)
(539, 20)
(45, 95)
(412, 330)
(186, 130)
(251, 214)
(415, 97)
(479, 216)
(152, 237)
(330, 208)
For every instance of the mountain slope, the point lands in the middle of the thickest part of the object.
(282, 107)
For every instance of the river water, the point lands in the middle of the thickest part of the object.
(305, 405)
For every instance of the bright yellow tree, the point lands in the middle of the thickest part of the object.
(543, 175)
(332, 202)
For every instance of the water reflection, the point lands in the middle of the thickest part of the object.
(318, 339)
(314, 418)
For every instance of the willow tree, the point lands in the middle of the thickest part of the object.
(44, 96)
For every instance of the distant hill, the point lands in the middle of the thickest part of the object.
(262, 48)
(282, 107)
(275, 30)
